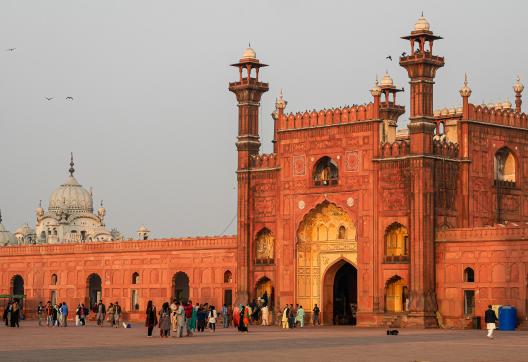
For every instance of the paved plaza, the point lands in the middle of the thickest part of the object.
(91, 343)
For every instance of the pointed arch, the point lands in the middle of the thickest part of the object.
(264, 247)
(325, 172)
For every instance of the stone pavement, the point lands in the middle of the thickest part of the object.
(92, 343)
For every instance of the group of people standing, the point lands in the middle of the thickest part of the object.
(293, 316)
(112, 314)
(179, 317)
(56, 314)
(12, 313)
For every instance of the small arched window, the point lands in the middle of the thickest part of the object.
(325, 172)
(135, 278)
(341, 234)
(396, 242)
(505, 167)
(228, 276)
(53, 279)
(469, 275)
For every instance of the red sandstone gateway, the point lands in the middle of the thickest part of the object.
(377, 227)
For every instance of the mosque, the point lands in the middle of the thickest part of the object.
(422, 227)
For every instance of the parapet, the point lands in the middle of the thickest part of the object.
(495, 115)
(443, 148)
(264, 161)
(395, 149)
(189, 243)
(326, 117)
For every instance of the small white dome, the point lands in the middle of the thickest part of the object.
(25, 230)
(452, 111)
(444, 111)
(506, 105)
(518, 87)
(387, 80)
(249, 53)
(143, 229)
(422, 24)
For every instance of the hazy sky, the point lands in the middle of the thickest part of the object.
(153, 126)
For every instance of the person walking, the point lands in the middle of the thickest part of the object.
(193, 318)
(201, 316)
(316, 312)
(78, 315)
(110, 314)
(151, 318)
(7, 314)
(64, 314)
(180, 320)
(300, 316)
(55, 315)
(490, 318)
(212, 318)
(101, 313)
(174, 320)
(225, 316)
(165, 320)
(243, 321)
(15, 314)
(265, 315)
(117, 314)
(188, 309)
(291, 317)
(49, 314)
(40, 310)
(284, 319)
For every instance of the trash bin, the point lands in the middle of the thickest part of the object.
(476, 322)
(507, 318)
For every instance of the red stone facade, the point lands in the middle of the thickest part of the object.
(148, 267)
(376, 228)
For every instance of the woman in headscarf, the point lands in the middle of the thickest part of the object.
(236, 317)
(151, 318)
(164, 320)
(244, 319)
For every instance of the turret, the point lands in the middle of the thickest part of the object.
(248, 91)
(389, 111)
(421, 66)
(518, 88)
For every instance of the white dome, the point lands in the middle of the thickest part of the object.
(249, 53)
(422, 24)
(25, 230)
(71, 197)
(387, 80)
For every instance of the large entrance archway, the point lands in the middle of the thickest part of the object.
(95, 292)
(180, 287)
(326, 242)
(340, 294)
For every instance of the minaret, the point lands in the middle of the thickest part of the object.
(421, 66)
(277, 114)
(248, 91)
(518, 87)
(389, 111)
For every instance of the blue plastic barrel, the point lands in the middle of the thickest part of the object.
(507, 318)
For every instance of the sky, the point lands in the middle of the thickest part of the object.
(152, 125)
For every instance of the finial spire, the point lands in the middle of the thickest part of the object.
(422, 12)
(40, 203)
(71, 170)
(465, 78)
(0, 216)
(101, 203)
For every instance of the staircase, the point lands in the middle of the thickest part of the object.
(392, 321)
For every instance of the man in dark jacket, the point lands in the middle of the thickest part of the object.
(490, 318)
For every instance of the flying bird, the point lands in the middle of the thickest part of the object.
(403, 89)
(388, 57)
(69, 98)
(404, 54)
(10, 49)
(48, 98)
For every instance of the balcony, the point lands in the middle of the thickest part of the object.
(396, 259)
